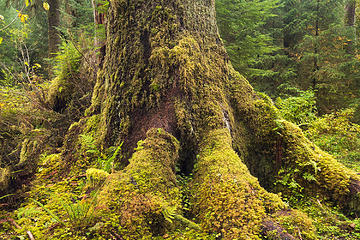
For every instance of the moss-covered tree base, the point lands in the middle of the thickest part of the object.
(201, 151)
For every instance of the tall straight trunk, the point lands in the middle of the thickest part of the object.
(53, 24)
(350, 18)
(316, 48)
(99, 21)
(167, 90)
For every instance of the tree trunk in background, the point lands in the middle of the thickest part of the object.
(167, 79)
(350, 18)
(316, 50)
(53, 24)
(99, 21)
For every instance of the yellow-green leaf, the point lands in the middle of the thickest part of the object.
(27, 2)
(23, 17)
(26, 63)
(46, 6)
(1, 39)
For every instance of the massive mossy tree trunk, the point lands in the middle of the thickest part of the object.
(166, 68)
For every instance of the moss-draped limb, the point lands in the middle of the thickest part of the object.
(319, 171)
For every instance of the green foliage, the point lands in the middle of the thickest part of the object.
(338, 135)
(103, 161)
(241, 25)
(20, 119)
(304, 44)
(48, 211)
(330, 223)
(67, 61)
(300, 109)
(316, 39)
(24, 45)
(78, 19)
(81, 213)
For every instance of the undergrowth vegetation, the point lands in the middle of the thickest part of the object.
(335, 133)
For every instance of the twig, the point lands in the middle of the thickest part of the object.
(12, 20)
(12, 221)
(48, 211)
(85, 58)
(30, 235)
(300, 234)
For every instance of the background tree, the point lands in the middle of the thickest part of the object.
(313, 50)
(53, 25)
(24, 44)
(242, 26)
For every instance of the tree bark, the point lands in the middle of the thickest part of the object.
(99, 41)
(316, 50)
(165, 68)
(350, 18)
(53, 24)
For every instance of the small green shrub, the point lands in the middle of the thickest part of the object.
(336, 134)
(300, 109)
(81, 213)
(67, 60)
(104, 161)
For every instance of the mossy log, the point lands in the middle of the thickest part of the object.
(166, 68)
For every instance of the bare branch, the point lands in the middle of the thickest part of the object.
(12, 21)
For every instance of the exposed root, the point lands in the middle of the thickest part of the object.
(228, 200)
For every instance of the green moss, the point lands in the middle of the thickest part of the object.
(227, 200)
(28, 155)
(48, 164)
(46, 216)
(331, 176)
(280, 149)
(60, 92)
(338, 135)
(83, 138)
(5, 175)
(139, 200)
(329, 222)
(96, 177)
(297, 223)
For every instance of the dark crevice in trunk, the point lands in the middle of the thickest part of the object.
(187, 157)
(59, 105)
(264, 160)
(145, 40)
